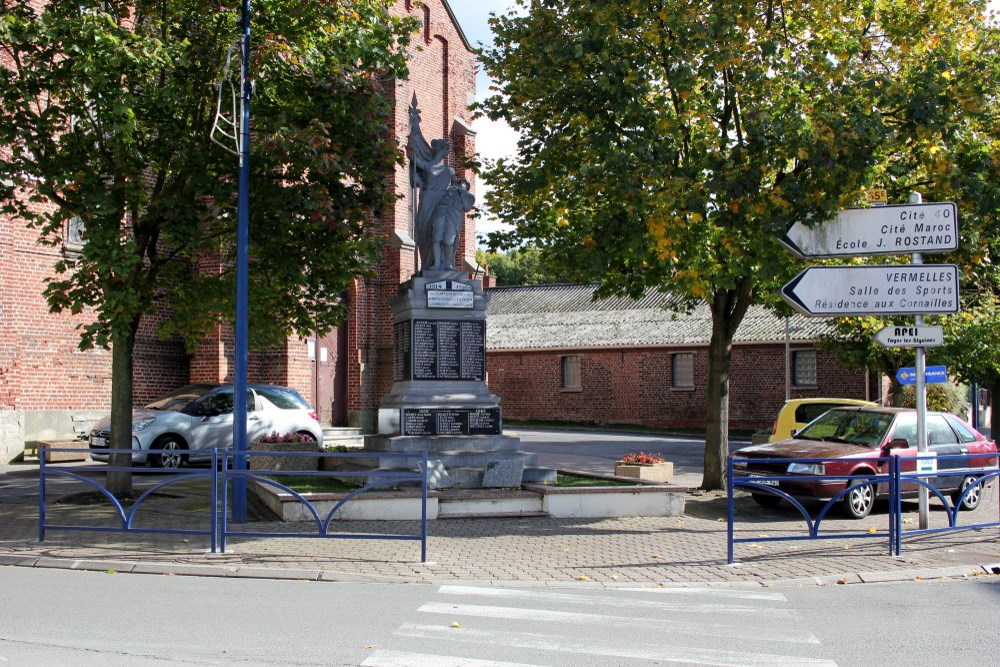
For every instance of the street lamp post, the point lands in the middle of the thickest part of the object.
(242, 279)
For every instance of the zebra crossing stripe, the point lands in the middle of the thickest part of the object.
(604, 620)
(728, 593)
(400, 659)
(613, 601)
(635, 651)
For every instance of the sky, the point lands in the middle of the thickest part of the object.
(493, 140)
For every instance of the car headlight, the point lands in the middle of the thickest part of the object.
(141, 424)
(807, 468)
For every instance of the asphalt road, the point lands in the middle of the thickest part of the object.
(60, 617)
(597, 451)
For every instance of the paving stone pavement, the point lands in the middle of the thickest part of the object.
(645, 551)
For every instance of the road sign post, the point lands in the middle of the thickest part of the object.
(891, 289)
(932, 375)
(883, 230)
(914, 336)
(916, 289)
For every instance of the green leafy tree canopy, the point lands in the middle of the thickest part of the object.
(666, 142)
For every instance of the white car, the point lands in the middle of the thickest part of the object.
(188, 423)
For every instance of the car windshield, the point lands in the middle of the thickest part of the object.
(859, 427)
(283, 397)
(178, 399)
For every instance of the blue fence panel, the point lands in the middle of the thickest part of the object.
(949, 466)
(768, 484)
(377, 478)
(125, 518)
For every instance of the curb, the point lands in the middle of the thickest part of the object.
(327, 576)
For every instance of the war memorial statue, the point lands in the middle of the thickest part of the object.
(444, 198)
(439, 401)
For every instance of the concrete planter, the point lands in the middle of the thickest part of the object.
(284, 462)
(653, 472)
(607, 501)
(535, 500)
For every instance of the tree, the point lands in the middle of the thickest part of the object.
(105, 113)
(957, 161)
(524, 266)
(666, 143)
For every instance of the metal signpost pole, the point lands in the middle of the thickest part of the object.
(921, 391)
(242, 281)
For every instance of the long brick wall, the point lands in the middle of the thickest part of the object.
(633, 386)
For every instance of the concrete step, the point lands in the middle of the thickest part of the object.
(538, 475)
(474, 504)
(343, 435)
(439, 443)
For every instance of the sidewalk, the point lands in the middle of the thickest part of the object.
(527, 551)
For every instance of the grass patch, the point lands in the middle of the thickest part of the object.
(311, 484)
(563, 480)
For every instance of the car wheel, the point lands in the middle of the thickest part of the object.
(860, 499)
(972, 500)
(172, 455)
(306, 436)
(766, 499)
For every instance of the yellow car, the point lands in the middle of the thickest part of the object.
(798, 412)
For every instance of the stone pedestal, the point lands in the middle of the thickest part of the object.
(439, 400)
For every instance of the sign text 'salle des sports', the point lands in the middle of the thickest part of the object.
(884, 230)
(904, 289)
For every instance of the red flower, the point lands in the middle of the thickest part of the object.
(642, 459)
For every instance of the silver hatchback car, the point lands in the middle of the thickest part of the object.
(188, 423)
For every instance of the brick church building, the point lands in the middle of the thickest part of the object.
(49, 389)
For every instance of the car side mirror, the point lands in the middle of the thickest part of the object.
(898, 443)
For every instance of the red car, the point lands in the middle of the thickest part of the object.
(852, 437)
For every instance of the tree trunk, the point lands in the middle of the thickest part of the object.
(122, 347)
(898, 393)
(728, 309)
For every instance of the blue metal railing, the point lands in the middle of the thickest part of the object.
(770, 485)
(374, 479)
(953, 505)
(125, 518)
(891, 482)
(221, 474)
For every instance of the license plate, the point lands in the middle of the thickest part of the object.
(757, 479)
(99, 443)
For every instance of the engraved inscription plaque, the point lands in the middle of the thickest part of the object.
(401, 352)
(449, 344)
(424, 347)
(451, 421)
(444, 350)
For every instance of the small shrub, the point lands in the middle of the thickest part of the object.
(274, 436)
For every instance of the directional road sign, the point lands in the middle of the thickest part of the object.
(917, 336)
(882, 230)
(895, 289)
(931, 374)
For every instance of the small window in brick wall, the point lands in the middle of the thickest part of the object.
(682, 370)
(571, 373)
(75, 231)
(804, 368)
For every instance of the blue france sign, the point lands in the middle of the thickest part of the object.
(933, 374)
